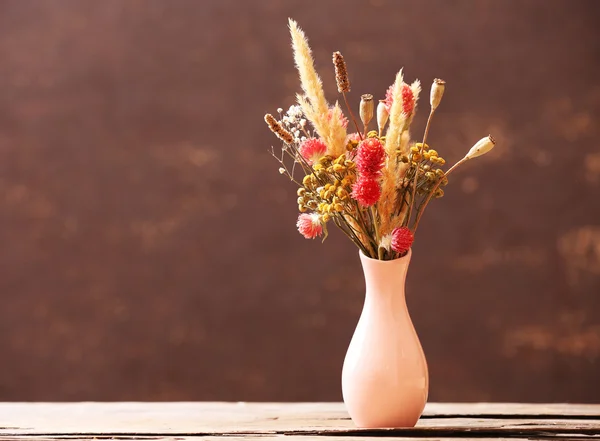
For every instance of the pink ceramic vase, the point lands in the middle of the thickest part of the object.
(385, 380)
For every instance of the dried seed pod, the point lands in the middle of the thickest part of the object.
(437, 91)
(382, 116)
(481, 147)
(366, 108)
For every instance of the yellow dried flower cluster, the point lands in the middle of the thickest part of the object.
(327, 190)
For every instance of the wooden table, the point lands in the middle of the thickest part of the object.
(297, 421)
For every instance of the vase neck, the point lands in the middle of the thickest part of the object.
(385, 278)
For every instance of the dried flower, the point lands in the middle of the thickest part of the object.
(312, 149)
(370, 156)
(354, 137)
(374, 185)
(277, 128)
(366, 191)
(408, 99)
(481, 147)
(382, 115)
(341, 73)
(309, 225)
(398, 120)
(386, 242)
(437, 91)
(314, 105)
(342, 119)
(402, 239)
(366, 109)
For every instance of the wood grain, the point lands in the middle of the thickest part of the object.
(183, 420)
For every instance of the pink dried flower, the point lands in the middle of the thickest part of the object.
(312, 149)
(402, 239)
(408, 99)
(353, 137)
(389, 98)
(309, 225)
(343, 119)
(370, 156)
(366, 191)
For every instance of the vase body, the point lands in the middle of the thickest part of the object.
(385, 381)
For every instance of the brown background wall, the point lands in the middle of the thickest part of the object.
(148, 248)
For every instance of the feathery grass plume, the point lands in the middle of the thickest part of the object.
(308, 110)
(314, 104)
(397, 118)
(415, 87)
(403, 147)
(393, 179)
(388, 200)
(309, 79)
(337, 138)
(341, 73)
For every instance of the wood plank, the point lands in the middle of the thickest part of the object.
(506, 409)
(181, 420)
(244, 438)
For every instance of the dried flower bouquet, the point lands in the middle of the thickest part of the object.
(373, 185)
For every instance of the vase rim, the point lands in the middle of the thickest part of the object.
(404, 258)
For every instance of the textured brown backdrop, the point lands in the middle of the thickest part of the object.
(148, 248)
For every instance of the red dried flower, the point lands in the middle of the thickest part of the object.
(408, 99)
(370, 156)
(312, 149)
(366, 191)
(402, 239)
(309, 225)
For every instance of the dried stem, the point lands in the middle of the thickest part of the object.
(414, 184)
(352, 116)
(432, 192)
(377, 238)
